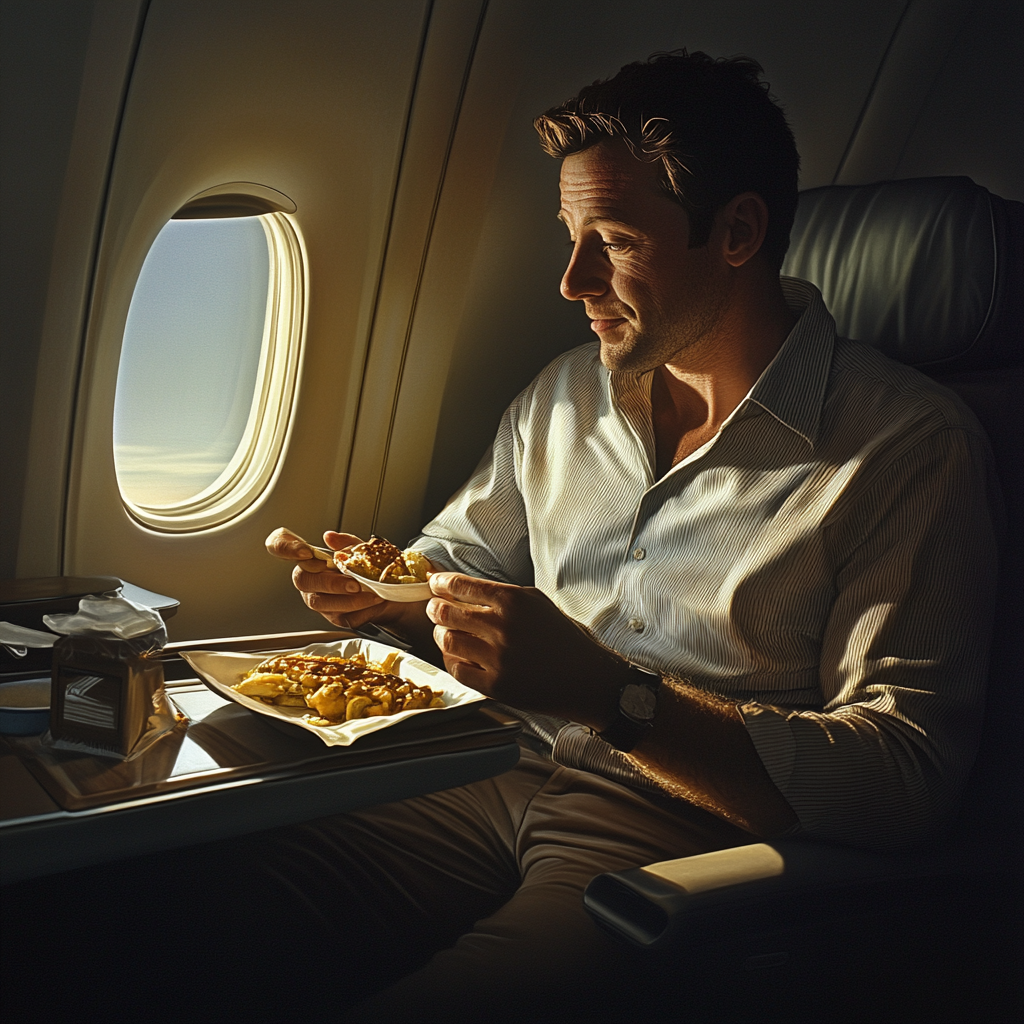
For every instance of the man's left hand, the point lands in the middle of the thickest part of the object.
(513, 644)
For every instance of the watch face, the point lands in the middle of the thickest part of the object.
(637, 701)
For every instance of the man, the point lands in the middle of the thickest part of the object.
(733, 573)
(788, 529)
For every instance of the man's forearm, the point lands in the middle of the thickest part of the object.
(513, 644)
(700, 750)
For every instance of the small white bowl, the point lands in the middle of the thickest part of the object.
(403, 592)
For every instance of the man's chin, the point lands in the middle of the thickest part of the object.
(620, 357)
(617, 347)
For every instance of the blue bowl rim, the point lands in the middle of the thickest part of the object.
(21, 708)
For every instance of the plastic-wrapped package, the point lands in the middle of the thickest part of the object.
(107, 690)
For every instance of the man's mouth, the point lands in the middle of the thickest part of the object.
(598, 326)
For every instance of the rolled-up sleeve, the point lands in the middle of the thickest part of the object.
(904, 656)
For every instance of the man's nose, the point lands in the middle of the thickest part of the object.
(584, 278)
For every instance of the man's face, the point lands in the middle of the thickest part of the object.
(648, 295)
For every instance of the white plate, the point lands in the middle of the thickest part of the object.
(393, 591)
(220, 670)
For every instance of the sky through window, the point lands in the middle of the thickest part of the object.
(190, 357)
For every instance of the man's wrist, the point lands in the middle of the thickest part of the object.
(634, 718)
(605, 708)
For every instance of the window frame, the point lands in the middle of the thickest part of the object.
(250, 474)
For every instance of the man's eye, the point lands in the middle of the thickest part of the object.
(614, 247)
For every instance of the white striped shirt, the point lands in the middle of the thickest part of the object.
(827, 561)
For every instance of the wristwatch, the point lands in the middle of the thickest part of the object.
(635, 719)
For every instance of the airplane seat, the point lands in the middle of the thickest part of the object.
(930, 271)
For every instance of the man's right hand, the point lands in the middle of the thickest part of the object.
(338, 598)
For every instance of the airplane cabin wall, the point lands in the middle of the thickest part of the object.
(970, 120)
(57, 136)
(445, 305)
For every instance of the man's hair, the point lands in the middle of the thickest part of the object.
(710, 123)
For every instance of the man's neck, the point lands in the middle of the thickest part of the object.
(698, 389)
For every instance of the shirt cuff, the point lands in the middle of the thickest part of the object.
(773, 740)
(578, 747)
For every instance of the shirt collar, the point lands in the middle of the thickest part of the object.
(792, 386)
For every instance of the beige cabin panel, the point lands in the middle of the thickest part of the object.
(455, 28)
(385, 493)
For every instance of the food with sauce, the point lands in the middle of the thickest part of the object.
(383, 562)
(337, 689)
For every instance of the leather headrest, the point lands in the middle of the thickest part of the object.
(929, 270)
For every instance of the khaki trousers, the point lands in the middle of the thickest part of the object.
(494, 874)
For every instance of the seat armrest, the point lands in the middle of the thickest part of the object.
(650, 906)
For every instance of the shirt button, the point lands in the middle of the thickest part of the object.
(636, 625)
(639, 553)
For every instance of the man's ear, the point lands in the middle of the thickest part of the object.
(742, 222)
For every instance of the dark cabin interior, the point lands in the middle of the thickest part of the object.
(396, 140)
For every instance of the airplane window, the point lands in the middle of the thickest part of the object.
(207, 369)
